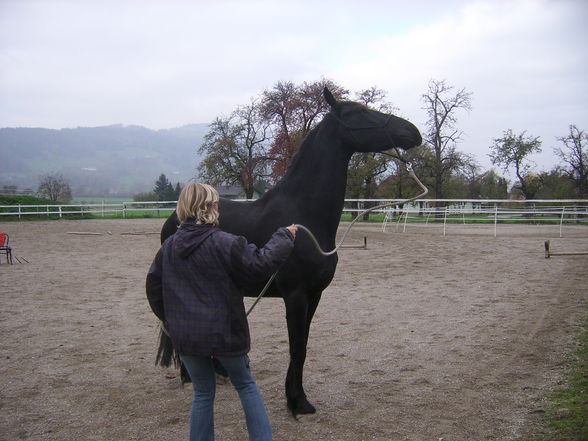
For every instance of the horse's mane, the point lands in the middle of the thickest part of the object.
(304, 149)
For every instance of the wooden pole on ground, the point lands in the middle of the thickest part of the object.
(549, 253)
(361, 247)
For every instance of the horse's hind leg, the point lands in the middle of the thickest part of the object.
(299, 311)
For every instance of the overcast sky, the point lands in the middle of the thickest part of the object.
(163, 64)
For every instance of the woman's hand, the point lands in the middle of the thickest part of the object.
(293, 229)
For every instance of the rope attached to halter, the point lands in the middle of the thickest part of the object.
(334, 250)
(377, 207)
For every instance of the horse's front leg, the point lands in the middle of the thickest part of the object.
(299, 310)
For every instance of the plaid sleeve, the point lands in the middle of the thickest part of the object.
(251, 264)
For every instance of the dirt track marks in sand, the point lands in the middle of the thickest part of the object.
(419, 337)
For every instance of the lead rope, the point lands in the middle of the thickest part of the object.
(334, 250)
(377, 207)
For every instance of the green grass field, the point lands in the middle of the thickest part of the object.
(48, 210)
(565, 415)
(99, 200)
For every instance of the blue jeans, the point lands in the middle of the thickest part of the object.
(203, 378)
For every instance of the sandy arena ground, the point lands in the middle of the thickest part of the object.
(420, 337)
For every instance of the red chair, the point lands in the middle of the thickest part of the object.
(5, 248)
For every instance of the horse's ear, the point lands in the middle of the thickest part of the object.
(330, 99)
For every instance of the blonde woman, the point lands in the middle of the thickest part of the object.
(194, 287)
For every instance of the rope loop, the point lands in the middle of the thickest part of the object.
(364, 212)
(334, 250)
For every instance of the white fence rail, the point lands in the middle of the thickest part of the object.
(471, 211)
(82, 209)
(466, 211)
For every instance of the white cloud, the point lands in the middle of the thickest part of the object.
(523, 61)
(163, 64)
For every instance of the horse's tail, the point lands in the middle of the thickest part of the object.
(166, 355)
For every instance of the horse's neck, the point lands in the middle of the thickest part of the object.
(317, 178)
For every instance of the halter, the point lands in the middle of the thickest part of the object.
(394, 146)
(347, 126)
(351, 129)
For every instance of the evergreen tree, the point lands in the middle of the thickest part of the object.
(164, 189)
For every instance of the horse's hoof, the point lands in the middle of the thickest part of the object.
(306, 418)
(301, 407)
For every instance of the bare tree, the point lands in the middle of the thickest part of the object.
(55, 188)
(235, 149)
(575, 155)
(375, 98)
(442, 136)
(293, 110)
(513, 150)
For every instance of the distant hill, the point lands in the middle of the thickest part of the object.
(97, 161)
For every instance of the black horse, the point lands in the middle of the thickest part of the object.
(311, 194)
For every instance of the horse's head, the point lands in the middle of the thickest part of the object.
(367, 130)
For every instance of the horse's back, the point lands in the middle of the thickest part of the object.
(240, 218)
(170, 226)
(254, 220)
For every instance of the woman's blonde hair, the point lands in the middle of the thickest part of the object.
(198, 201)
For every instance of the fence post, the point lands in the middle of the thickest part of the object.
(563, 209)
(385, 220)
(495, 218)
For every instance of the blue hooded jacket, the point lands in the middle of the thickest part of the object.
(195, 285)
